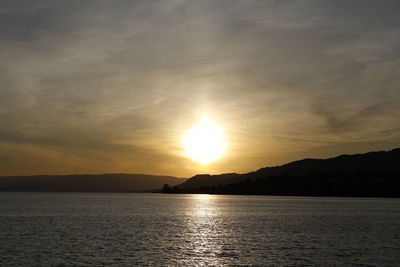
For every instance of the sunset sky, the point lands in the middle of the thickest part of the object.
(112, 86)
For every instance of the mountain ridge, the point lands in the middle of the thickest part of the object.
(111, 182)
(341, 175)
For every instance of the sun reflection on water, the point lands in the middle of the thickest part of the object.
(204, 232)
(203, 196)
(204, 207)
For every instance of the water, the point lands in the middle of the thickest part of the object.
(101, 229)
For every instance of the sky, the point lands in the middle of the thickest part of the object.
(111, 86)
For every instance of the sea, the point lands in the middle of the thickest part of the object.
(131, 229)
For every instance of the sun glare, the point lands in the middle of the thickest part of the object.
(204, 142)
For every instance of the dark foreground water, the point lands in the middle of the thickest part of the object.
(100, 229)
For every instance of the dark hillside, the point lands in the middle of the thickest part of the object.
(87, 183)
(369, 174)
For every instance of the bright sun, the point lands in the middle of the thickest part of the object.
(204, 142)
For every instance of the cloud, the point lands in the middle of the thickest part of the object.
(119, 81)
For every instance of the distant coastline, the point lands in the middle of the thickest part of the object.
(373, 174)
(118, 183)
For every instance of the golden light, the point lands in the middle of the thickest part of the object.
(204, 142)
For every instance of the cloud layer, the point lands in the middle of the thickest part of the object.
(110, 86)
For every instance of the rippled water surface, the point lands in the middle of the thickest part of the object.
(101, 229)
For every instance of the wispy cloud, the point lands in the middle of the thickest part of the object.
(110, 85)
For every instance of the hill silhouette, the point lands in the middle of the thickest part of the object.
(87, 183)
(369, 174)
